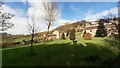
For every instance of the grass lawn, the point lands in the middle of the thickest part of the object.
(98, 51)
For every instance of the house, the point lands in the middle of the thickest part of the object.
(92, 28)
(51, 36)
(59, 34)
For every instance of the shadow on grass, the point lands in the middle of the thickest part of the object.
(59, 55)
(114, 44)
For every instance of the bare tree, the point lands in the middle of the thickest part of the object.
(115, 20)
(32, 29)
(51, 12)
(118, 26)
(4, 19)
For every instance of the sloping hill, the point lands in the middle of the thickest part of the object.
(72, 25)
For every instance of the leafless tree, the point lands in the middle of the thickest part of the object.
(4, 19)
(114, 20)
(31, 28)
(51, 12)
(118, 26)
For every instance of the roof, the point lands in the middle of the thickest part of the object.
(93, 27)
(109, 26)
(52, 35)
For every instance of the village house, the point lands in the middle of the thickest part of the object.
(59, 34)
(49, 36)
(92, 28)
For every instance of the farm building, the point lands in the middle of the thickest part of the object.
(59, 34)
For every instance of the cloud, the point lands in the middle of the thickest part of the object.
(89, 12)
(19, 26)
(60, 22)
(17, 11)
(93, 17)
(36, 8)
(75, 8)
(8, 9)
(20, 12)
(18, 20)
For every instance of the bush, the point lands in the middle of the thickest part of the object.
(7, 39)
(87, 36)
(101, 30)
(63, 36)
(5, 44)
(72, 34)
(9, 44)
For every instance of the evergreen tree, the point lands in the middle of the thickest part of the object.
(63, 36)
(72, 34)
(101, 30)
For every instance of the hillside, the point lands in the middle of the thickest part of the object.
(72, 25)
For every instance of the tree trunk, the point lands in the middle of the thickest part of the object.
(47, 33)
(49, 24)
(32, 43)
(48, 29)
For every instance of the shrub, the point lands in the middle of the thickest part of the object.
(5, 44)
(63, 36)
(87, 36)
(72, 34)
(101, 30)
(9, 44)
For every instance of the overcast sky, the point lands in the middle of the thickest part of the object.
(69, 13)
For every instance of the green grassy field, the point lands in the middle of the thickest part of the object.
(98, 51)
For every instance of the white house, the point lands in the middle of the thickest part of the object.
(91, 30)
(57, 33)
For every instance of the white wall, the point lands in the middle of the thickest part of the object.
(92, 31)
(57, 33)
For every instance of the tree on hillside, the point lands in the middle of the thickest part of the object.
(51, 12)
(115, 20)
(4, 19)
(101, 30)
(118, 25)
